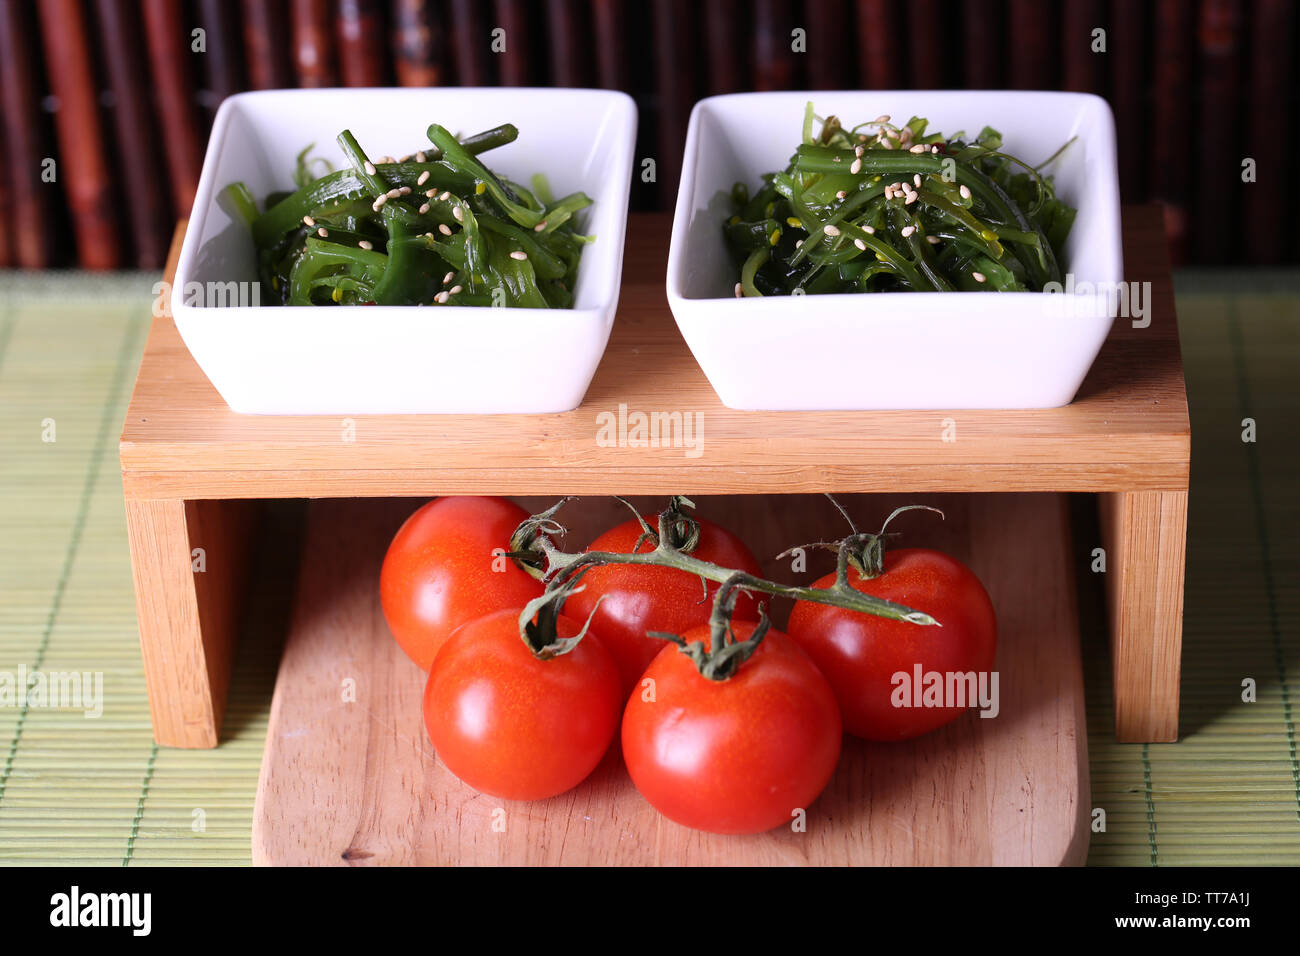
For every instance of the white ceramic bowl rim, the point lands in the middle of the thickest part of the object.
(594, 288)
(387, 359)
(1042, 116)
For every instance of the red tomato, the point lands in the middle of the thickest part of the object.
(647, 598)
(511, 725)
(440, 571)
(734, 756)
(860, 654)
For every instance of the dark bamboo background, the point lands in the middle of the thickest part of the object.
(115, 93)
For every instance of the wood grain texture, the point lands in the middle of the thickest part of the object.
(1127, 429)
(358, 783)
(188, 618)
(1145, 536)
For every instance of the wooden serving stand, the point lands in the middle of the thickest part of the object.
(356, 781)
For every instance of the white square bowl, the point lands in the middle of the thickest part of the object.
(895, 350)
(308, 360)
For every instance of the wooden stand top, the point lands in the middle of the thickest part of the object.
(1127, 429)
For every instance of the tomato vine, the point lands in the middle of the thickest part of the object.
(532, 548)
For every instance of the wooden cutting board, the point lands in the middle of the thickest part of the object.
(350, 777)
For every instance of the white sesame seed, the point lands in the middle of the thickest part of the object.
(448, 277)
(431, 193)
(934, 149)
(888, 143)
(911, 198)
(404, 190)
(932, 240)
(308, 221)
(882, 118)
(908, 230)
(424, 178)
(370, 168)
(860, 244)
(379, 201)
(424, 208)
(841, 194)
(916, 180)
(869, 230)
(740, 291)
(366, 244)
(445, 196)
(918, 148)
(892, 133)
(394, 193)
(322, 232)
(889, 192)
(456, 289)
(444, 229)
(896, 187)
(858, 151)
(405, 158)
(831, 231)
(540, 226)
(856, 167)
(421, 158)
(441, 297)
(517, 254)
(798, 244)
(977, 276)
(965, 191)
(458, 213)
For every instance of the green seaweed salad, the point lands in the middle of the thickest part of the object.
(885, 208)
(433, 228)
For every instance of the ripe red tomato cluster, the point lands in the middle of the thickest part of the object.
(740, 755)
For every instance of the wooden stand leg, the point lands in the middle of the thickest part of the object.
(190, 561)
(1146, 547)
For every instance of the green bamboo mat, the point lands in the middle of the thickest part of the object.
(1229, 791)
(97, 791)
